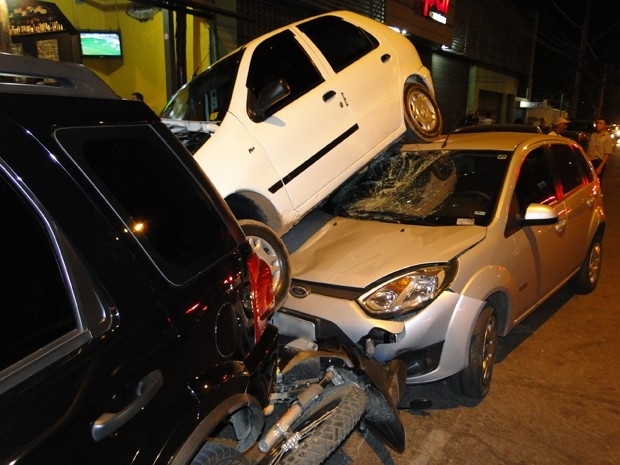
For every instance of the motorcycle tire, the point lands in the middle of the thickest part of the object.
(321, 428)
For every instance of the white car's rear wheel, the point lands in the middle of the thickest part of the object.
(270, 248)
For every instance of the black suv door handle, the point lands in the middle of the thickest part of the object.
(146, 389)
(328, 95)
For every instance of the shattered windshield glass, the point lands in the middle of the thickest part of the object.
(207, 96)
(442, 187)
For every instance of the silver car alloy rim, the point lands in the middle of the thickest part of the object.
(594, 265)
(489, 348)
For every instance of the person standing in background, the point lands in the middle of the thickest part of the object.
(488, 119)
(600, 147)
(137, 96)
(544, 126)
(559, 126)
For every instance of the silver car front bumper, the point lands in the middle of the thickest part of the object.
(447, 322)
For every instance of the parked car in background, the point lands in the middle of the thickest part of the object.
(279, 123)
(434, 250)
(134, 312)
(580, 131)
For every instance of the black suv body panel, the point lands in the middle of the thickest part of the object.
(125, 329)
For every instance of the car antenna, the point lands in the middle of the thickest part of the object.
(452, 129)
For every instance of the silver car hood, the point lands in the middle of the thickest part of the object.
(346, 252)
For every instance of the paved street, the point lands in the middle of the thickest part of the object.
(555, 398)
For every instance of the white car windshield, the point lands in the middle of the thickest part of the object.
(443, 187)
(206, 97)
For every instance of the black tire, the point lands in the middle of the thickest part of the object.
(324, 425)
(586, 279)
(475, 380)
(213, 453)
(422, 115)
(270, 248)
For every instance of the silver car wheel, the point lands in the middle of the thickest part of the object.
(594, 263)
(586, 279)
(475, 380)
(489, 349)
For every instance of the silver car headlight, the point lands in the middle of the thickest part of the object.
(410, 291)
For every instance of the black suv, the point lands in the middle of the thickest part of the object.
(134, 312)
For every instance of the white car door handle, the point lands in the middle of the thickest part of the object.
(329, 95)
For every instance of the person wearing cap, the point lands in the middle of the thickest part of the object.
(600, 146)
(559, 126)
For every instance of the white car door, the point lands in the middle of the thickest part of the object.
(310, 136)
(368, 73)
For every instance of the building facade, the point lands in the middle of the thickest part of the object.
(480, 52)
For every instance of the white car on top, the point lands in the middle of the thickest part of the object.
(282, 121)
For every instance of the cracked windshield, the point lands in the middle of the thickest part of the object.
(440, 187)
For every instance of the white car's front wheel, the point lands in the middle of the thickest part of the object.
(422, 115)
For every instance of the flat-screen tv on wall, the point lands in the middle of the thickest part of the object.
(101, 44)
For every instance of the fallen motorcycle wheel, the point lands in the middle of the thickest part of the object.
(321, 428)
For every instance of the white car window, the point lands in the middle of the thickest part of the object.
(340, 42)
(281, 57)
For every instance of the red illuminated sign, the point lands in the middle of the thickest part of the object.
(440, 5)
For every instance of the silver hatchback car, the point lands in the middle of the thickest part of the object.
(434, 250)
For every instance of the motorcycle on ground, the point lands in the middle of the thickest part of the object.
(326, 391)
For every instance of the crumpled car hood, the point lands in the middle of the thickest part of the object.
(354, 253)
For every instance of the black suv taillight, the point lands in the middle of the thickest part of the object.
(261, 293)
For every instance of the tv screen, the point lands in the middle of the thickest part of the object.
(101, 44)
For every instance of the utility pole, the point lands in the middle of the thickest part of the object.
(601, 99)
(5, 28)
(528, 94)
(582, 49)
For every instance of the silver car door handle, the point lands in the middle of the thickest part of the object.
(329, 95)
(560, 225)
(590, 202)
(146, 389)
(385, 58)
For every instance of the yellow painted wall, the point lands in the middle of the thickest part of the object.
(143, 67)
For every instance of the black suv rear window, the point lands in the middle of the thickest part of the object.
(158, 200)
